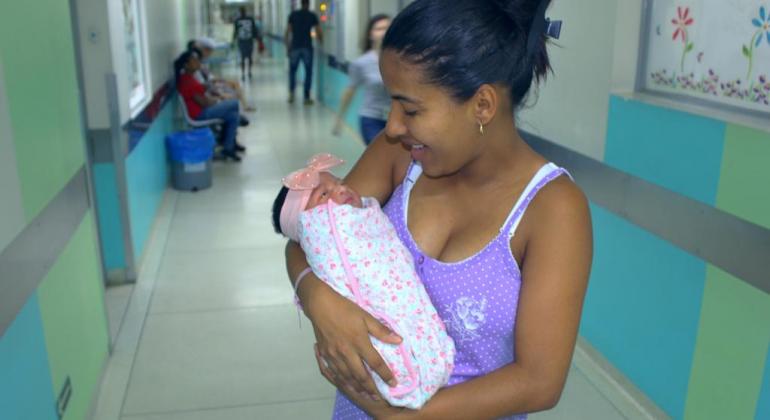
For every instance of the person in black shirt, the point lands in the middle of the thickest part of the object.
(245, 31)
(299, 46)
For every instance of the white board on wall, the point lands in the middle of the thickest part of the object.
(714, 50)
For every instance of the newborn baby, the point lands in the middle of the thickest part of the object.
(351, 245)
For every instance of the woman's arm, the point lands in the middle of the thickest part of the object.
(204, 100)
(342, 328)
(555, 270)
(287, 37)
(347, 97)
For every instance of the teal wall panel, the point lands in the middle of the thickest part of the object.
(643, 308)
(676, 150)
(110, 226)
(763, 405)
(334, 83)
(26, 392)
(147, 177)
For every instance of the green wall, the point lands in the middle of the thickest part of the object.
(67, 309)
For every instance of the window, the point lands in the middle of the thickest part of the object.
(135, 49)
(713, 52)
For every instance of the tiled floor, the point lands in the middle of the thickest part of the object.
(210, 331)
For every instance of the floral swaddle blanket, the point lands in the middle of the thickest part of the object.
(358, 253)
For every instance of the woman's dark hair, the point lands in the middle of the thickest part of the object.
(462, 45)
(277, 206)
(191, 44)
(367, 41)
(180, 62)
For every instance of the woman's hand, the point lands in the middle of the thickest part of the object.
(342, 331)
(376, 406)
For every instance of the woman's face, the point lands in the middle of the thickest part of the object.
(193, 64)
(332, 188)
(441, 133)
(378, 31)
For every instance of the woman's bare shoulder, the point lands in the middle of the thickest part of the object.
(380, 169)
(560, 205)
(561, 198)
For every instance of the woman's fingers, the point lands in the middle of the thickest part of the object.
(323, 367)
(343, 330)
(380, 331)
(328, 370)
(361, 377)
(337, 365)
(375, 362)
(372, 357)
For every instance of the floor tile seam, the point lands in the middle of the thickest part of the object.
(599, 392)
(204, 211)
(599, 374)
(251, 308)
(166, 201)
(154, 226)
(123, 317)
(138, 346)
(227, 407)
(179, 253)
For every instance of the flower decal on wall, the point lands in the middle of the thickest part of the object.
(681, 22)
(762, 23)
(723, 79)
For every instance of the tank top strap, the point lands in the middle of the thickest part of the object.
(546, 174)
(412, 174)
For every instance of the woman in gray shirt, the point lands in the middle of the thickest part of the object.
(365, 72)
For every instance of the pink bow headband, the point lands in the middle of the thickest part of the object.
(301, 184)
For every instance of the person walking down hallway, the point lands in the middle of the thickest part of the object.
(365, 72)
(245, 31)
(299, 46)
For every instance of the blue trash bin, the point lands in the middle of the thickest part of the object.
(190, 153)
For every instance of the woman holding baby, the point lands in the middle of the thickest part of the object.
(500, 237)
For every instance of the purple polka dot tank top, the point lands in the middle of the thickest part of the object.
(477, 297)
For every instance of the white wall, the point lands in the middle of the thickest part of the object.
(119, 57)
(626, 52)
(94, 34)
(193, 14)
(101, 34)
(355, 12)
(389, 7)
(572, 106)
(163, 44)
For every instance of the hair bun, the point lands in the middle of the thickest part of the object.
(464, 44)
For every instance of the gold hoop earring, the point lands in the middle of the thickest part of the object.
(481, 128)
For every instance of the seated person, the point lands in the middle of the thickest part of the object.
(352, 246)
(227, 89)
(203, 106)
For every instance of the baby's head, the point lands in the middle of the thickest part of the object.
(331, 188)
(308, 188)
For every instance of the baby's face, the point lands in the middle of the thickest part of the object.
(332, 188)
